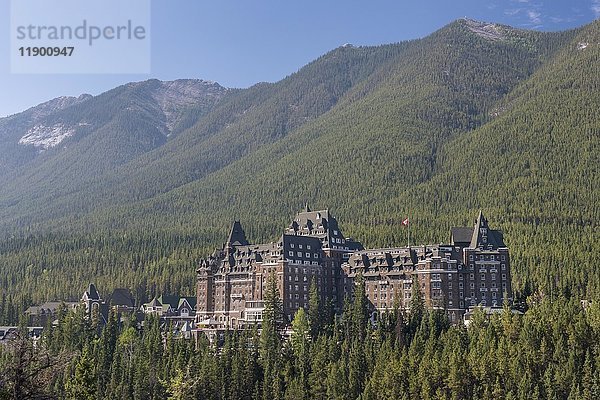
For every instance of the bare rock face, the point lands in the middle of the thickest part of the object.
(165, 102)
(173, 97)
(485, 30)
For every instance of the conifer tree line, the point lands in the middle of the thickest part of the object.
(550, 352)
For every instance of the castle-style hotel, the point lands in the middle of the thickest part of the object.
(473, 269)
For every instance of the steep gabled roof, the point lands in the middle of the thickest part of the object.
(237, 236)
(191, 301)
(171, 301)
(461, 235)
(121, 297)
(483, 236)
(91, 293)
(154, 303)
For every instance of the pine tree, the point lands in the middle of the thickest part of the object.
(360, 310)
(315, 311)
(270, 340)
(83, 385)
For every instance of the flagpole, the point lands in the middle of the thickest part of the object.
(408, 231)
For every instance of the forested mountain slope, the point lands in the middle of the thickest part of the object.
(240, 124)
(473, 116)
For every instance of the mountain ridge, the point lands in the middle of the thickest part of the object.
(435, 128)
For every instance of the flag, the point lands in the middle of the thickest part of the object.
(405, 222)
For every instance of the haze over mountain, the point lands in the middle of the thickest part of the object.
(474, 116)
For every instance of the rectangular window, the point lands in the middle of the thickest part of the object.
(299, 254)
(292, 245)
(308, 247)
(503, 266)
(503, 277)
(291, 253)
(483, 277)
(299, 246)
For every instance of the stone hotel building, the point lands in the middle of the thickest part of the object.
(473, 269)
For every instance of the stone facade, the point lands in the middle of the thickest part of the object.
(231, 282)
(473, 269)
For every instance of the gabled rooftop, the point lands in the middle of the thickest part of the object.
(480, 236)
(91, 293)
(237, 236)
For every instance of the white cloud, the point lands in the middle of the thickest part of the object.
(534, 17)
(512, 11)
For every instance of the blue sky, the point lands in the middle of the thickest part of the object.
(238, 43)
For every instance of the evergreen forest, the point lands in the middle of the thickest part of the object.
(433, 129)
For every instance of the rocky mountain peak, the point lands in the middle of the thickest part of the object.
(486, 30)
